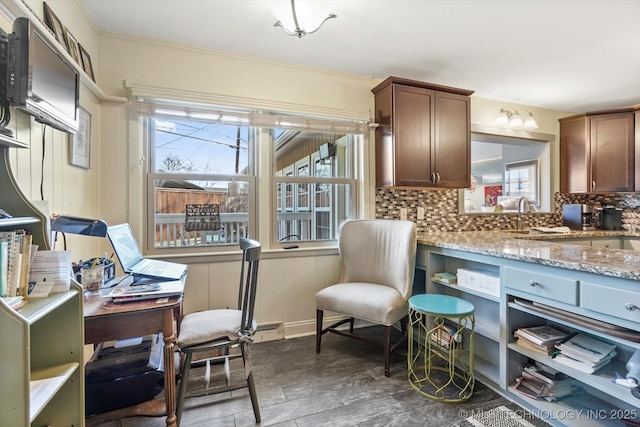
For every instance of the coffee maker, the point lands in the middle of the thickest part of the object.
(608, 218)
(578, 216)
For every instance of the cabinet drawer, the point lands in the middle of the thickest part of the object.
(606, 243)
(620, 303)
(559, 289)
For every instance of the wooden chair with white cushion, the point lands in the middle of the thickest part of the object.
(219, 331)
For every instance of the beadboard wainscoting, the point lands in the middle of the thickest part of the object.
(286, 290)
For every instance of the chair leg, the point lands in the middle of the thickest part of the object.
(387, 350)
(352, 321)
(403, 325)
(319, 315)
(254, 397)
(184, 379)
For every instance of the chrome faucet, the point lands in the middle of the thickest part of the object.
(523, 206)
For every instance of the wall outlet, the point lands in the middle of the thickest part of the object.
(420, 213)
(403, 213)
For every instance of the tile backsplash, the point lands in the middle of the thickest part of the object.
(441, 209)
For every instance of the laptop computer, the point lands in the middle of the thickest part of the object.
(146, 291)
(128, 252)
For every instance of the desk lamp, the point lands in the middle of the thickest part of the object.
(77, 225)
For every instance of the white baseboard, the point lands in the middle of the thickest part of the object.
(269, 332)
(277, 330)
(308, 327)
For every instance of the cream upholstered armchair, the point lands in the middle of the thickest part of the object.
(378, 260)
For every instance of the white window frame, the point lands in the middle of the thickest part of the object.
(144, 98)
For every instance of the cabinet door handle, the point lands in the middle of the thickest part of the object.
(533, 284)
(630, 306)
(437, 178)
(433, 177)
(593, 185)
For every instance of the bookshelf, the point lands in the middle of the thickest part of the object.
(577, 301)
(41, 370)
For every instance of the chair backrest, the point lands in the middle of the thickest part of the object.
(379, 251)
(251, 251)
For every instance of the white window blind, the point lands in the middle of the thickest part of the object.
(156, 102)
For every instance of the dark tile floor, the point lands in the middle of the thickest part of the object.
(344, 385)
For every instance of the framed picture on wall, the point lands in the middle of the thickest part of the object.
(80, 143)
(54, 24)
(85, 60)
(72, 45)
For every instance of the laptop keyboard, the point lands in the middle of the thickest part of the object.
(152, 268)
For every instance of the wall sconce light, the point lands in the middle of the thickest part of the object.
(300, 18)
(512, 118)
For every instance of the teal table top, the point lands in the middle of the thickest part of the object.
(441, 305)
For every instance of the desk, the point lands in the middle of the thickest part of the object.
(106, 322)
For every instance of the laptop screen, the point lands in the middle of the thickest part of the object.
(124, 245)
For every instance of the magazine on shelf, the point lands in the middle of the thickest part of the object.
(535, 388)
(544, 335)
(534, 347)
(546, 374)
(586, 348)
(580, 365)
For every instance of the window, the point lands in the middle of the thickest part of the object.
(320, 189)
(202, 181)
(521, 180)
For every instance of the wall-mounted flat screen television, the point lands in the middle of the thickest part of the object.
(40, 81)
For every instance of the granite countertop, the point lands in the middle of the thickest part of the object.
(522, 246)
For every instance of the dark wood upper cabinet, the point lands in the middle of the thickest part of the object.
(597, 152)
(423, 137)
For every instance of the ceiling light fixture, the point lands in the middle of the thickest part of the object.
(300, 18)
(512, 118)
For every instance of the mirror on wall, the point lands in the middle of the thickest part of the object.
(505, 168)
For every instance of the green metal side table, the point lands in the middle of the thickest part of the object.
(440, 356)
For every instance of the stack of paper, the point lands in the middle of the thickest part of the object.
(539, 381)
(536, 230)
(585, 353)
(539, 338)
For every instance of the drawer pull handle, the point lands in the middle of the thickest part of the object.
(630, 307)
(534, 284)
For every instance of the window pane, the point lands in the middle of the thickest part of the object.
(200, 213)
(188, 146)
(329, 208)
(297, 152)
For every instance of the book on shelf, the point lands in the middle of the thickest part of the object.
(543, 335)
(25, 264)
(4, 268)
(581, 365)
(445, 277)
(587, 349)
(523, 342)
(14, 240)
